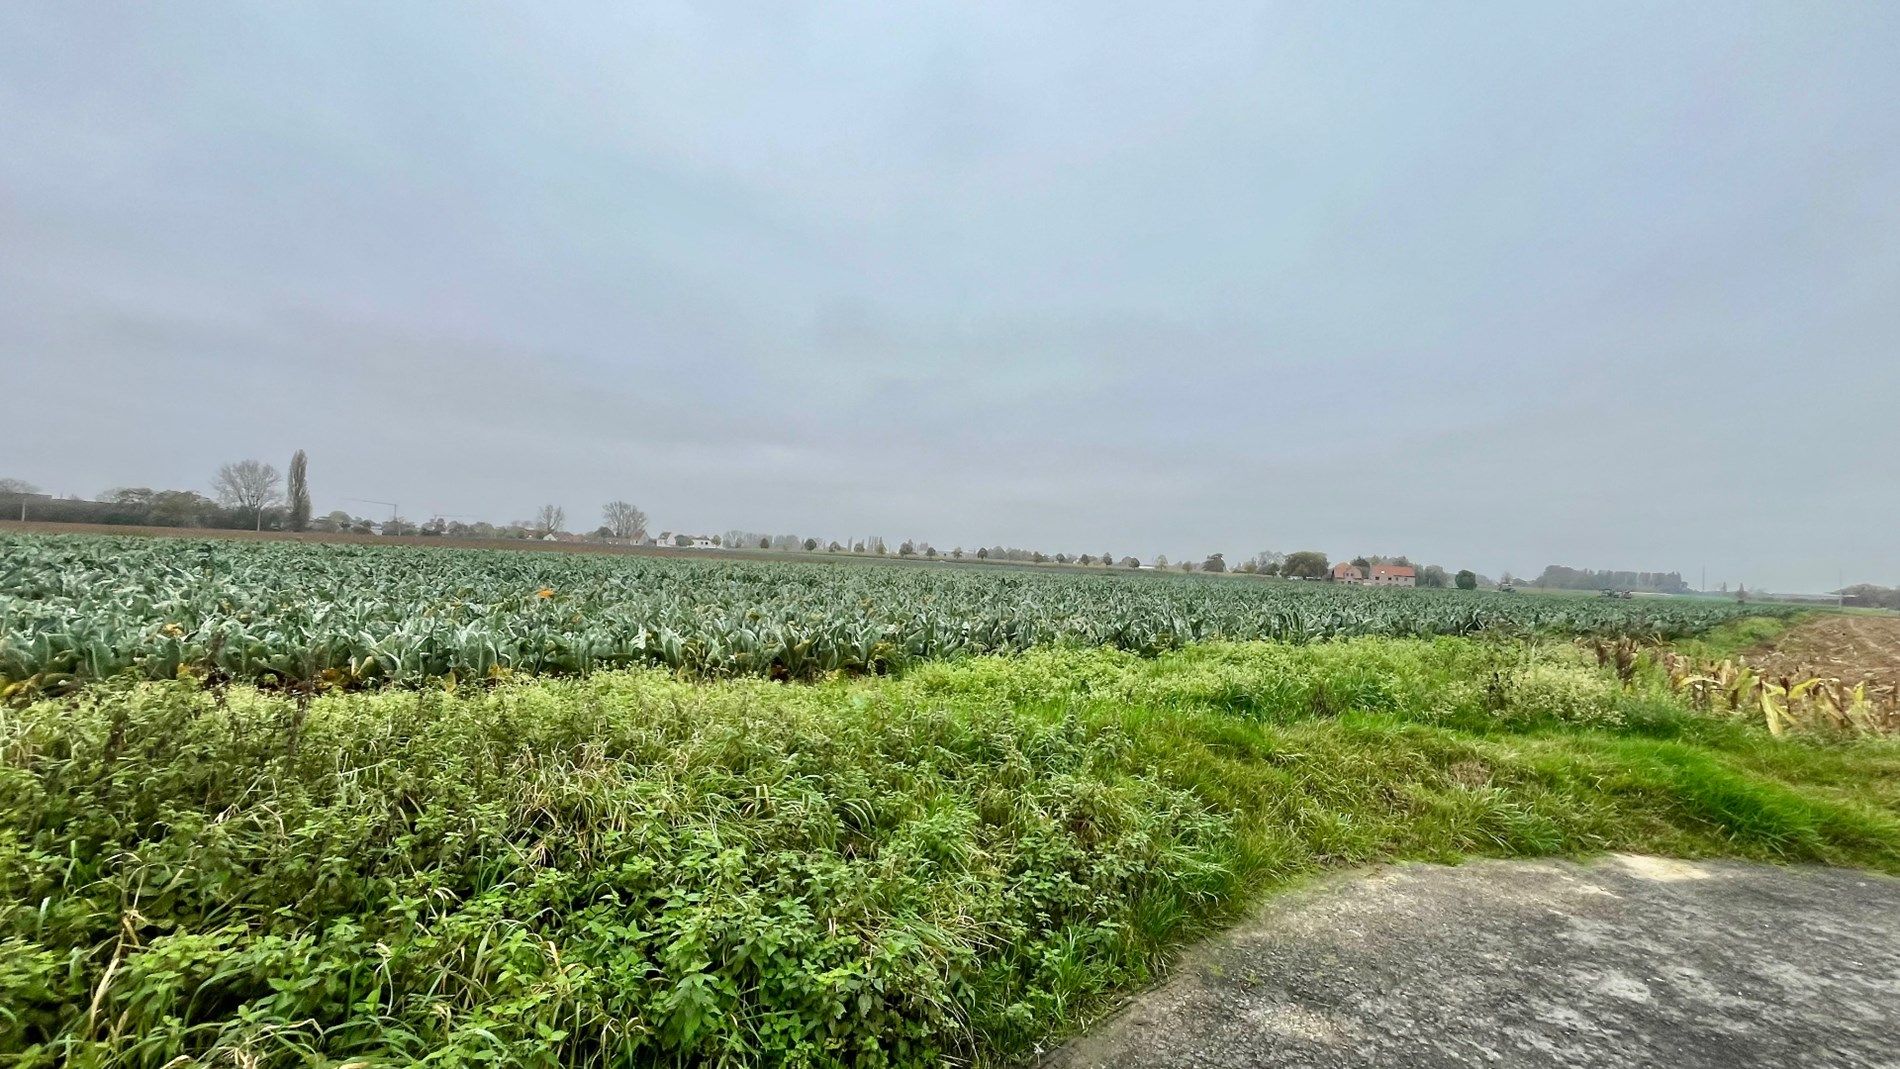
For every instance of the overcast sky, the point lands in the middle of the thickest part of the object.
(1490, 285)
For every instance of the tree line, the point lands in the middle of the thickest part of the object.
(1558, 577)
(253, 494)
(1879, 597)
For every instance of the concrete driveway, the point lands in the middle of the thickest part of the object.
(1625, 961)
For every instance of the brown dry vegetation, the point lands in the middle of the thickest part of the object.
(1828, 672)
(1851, 648)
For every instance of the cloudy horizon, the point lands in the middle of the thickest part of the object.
(1493, 287)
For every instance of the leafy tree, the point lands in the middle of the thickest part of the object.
(299, 493)
(930, 551)
(811, 544)
(983, 554)
(624, 520)
(1433, 576)
(1215, 562)
(1161, 560)
(1362, 563)
(908, 549)
(249, 486)
(765, 543)
(1467, 579)
(182, 508)
(335, 520)
(1130, 562)
(834, 547)
(1267, 561)
(130, 504)
(1305, 564)
(1559, 577)
(1869, 594)
(17, 486)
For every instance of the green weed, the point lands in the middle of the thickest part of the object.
(952, 866)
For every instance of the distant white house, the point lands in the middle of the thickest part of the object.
(668, 538)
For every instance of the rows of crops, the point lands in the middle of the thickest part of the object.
(77, 608)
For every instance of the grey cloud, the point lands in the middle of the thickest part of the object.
(1496, 285)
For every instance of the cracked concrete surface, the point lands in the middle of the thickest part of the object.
(1624, 961)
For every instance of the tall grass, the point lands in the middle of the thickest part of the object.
(951, 866)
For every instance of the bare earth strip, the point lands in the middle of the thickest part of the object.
(1627, 961)
(1850, 648)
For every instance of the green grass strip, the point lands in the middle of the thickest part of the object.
(952, 866)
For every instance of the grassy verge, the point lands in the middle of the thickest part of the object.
(949, 866)
(1725, 640)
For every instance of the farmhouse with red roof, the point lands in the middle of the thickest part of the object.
(1393, 575)
(1381, 574)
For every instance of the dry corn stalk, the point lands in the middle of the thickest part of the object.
(1785, 703)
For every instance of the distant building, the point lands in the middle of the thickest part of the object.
(1379, 574)
(1393, 575)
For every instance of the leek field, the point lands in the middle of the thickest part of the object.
(74, 609)
(973, 808)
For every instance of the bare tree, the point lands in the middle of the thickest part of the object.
(299, 493)
(250, 485)
(18, 488)
(1267, 561)
(550, 518)
(624, 520)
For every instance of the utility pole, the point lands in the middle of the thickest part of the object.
(393, 507)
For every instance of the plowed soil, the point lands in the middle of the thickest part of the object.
(1850, 648)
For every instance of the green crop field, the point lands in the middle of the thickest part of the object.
(776, 814)
(77, 608)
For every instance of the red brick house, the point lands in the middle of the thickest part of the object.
(1381, 574)
(1393, 575)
